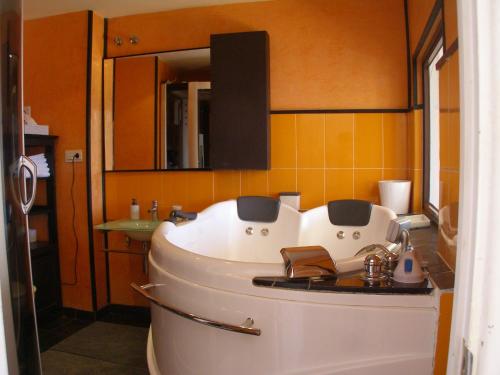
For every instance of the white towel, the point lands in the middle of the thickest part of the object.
(38, 157)
(42, 171)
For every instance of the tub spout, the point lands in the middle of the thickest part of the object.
(307, 262)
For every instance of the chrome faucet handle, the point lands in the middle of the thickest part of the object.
(154, 206)
(373, 248)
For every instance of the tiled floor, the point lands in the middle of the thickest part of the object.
(57, 325)
(99, 348)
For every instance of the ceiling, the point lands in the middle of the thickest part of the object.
(113, 8)
(187, 60)
(191, 59)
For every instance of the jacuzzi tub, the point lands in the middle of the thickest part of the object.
(204, 269)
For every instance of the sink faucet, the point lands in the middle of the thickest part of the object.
(177, 215)
(154, 210)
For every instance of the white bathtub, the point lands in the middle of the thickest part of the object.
(206, 267)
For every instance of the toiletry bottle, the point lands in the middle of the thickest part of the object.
(408, 269)
(134, 210)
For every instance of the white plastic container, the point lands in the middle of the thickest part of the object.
(395, 194)
(291, 198)
(135, 213)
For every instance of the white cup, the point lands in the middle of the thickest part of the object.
(395, 194)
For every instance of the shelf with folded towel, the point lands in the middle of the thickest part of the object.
(43, 219)
(40, 248)
(41, 209)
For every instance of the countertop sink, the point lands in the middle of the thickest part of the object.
(140, 230)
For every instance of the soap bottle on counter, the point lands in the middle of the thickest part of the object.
(134, 210)
(408, 270)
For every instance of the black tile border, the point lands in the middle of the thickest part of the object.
(337, 286)
(339, 110)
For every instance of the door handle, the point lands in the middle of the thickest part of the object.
(26, 201)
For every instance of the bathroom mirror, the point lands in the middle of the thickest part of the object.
(157, 110)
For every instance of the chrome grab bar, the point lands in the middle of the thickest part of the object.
(245, 328)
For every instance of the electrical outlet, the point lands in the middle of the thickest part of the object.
(73, 155)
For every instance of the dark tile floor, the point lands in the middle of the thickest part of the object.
(56, 325)
(99, 348)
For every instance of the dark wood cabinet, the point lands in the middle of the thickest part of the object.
(43, 217)
(239, 118)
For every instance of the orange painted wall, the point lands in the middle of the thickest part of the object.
(324, 156)
(134, 116)
(418, 14)
(55, 73)
(450, 21)
(324, 53)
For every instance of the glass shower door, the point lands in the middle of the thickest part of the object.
(18, 186)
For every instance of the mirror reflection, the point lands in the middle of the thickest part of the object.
(157, 110)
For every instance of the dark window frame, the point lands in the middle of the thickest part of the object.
(436, 44)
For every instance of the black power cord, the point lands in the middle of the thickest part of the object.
(77, 245)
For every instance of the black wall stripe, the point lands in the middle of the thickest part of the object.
(160, 170)
(113, 109)
(105, 52)
(155, 123)
(90, 226)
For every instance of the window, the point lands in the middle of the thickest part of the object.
(431, 130)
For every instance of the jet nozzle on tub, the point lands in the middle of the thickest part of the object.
(307, 262)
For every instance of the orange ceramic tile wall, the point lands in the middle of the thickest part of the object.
(324, 156)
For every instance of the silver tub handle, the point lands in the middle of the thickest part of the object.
(245, 328)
